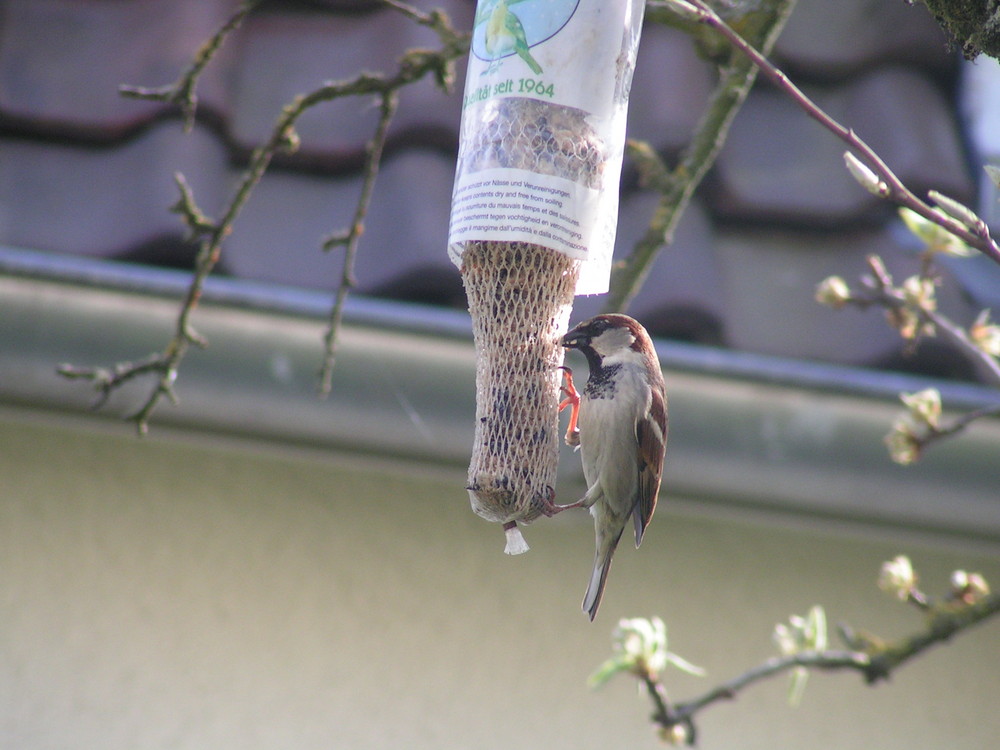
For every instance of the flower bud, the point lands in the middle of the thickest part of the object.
(676, 735)
(865, 176)
(968, 587)
(924, 406)
(985, 335)
(897, 577)
(833, 292)
(903, 442)
(919, 292)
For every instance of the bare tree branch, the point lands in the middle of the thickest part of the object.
(390, 101)
(878, 289)
(182, 91)
(677, 186)
(958, 424)
(911, 308)
(891, 187)
(874, 661)
(413, 66)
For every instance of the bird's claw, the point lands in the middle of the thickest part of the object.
(549, 507)
(573, 401)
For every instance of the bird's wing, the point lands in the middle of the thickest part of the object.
(651, 435)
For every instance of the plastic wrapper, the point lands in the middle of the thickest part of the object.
(534, 213)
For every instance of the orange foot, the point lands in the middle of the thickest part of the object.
(549, 508)
(573, 400)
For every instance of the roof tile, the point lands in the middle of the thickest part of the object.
(85, 171)
(769, 282)
(779, 166)
(682, 295)
(282, 56)
(102, 201)
(669, 89)
(62, 61)
(833, 40)
(279, 234)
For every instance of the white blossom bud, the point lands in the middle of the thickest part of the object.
(897, 577)
(985, 335)
(833, 292)
(924, 406)
(865, 176)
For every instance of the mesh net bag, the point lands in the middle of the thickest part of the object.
(520, 297)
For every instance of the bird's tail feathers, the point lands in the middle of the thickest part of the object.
(639, 524)
(599, 577)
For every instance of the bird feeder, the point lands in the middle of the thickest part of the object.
(533, 220)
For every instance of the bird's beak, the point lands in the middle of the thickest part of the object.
(572, 339)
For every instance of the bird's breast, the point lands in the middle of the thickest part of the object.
(608, 445)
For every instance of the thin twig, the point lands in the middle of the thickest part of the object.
(879, 290)
(390, 100)
(874, 664)
(912, 310)
(182, 91)
(957, 425)
(829, 660)
(413, 66)
(986, 362)
(107, 381)
(945, 621)
(894, 189)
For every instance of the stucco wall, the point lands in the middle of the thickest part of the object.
(186, 593)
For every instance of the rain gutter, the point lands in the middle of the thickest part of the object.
(747, 431)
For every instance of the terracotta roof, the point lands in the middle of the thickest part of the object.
(85, 171)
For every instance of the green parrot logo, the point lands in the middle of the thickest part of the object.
(504, 34)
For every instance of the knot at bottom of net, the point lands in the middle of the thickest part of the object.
(520, 297)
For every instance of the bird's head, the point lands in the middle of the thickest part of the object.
(607, 336)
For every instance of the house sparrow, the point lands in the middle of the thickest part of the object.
(619, 423)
